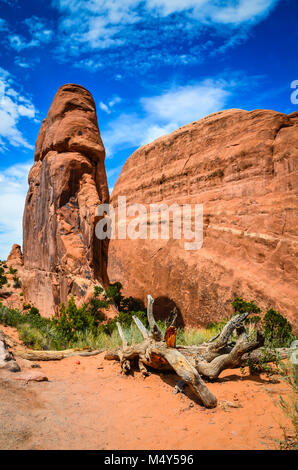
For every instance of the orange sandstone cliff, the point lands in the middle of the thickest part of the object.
(242, 166)
(66, 184)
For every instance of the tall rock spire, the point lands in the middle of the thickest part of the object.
(66, 184)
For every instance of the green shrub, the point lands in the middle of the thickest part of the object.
(10, 317)
(3, 278)
(242, 306)
(12, 270)
(127, 307)
(277, 329)
(85, 325)
(17, 282)
(73, 319)
(32, 337)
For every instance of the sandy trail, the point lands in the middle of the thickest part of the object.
(91, 406)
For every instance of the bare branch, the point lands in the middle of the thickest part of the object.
(223, 338)
(155, 331)
(141, 327)
(124, 341)
(172, 318)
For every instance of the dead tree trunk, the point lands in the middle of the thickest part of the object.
(160, 352)
(35, 355)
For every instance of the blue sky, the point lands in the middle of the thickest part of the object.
(151, 66)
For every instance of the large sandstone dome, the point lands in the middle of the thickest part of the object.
(242, 166)
(66, 184)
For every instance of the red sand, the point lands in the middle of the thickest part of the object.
(92, 406)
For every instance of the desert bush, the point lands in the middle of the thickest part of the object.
(26, 306)
(277, 329)
(32, 337)
(241, 306)
(11, 270)
(17, 282)
(3, 278)
(85, 326)
(127, 307)
(73, 319)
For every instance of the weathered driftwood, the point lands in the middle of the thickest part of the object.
(7, 360)
(34, 355)
(160, 352)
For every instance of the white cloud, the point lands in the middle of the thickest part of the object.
(22, 63)
(38, 31)
(13, 107)
(104, 107)
(26, 63)
(13, 189)
(86, 25)
(234, 12)
(19, 43)
(188, 103)
(164, 113)
(107, 108)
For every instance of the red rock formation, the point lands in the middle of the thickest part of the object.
(15, 257)
(66, 184)
(242, 166)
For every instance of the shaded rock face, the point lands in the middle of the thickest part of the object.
(66, 184)
(242, 166)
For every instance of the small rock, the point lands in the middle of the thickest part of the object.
(33, 377)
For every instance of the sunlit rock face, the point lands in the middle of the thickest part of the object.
(66, 184)
(242, 166)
